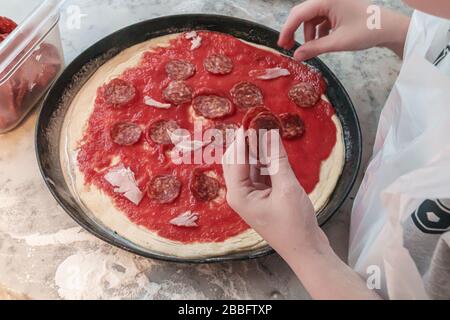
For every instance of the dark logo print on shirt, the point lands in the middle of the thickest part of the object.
(442, 55)
(432, 216)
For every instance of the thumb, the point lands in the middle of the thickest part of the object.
(316, 47)
(278, 167)
(236, 169)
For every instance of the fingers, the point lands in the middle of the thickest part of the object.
(316, 47)
(252, 139)
(324, 28)
(236, 169)
(310, 28)
(301, 13)
(259, 181)
(278, 168)
(255, 174)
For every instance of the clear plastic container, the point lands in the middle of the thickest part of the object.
(31, 57)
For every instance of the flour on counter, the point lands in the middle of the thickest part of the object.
(65, 236)
(116, 275)
(97, 275)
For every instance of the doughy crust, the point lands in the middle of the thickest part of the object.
(101, 207)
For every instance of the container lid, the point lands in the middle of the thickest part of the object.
(23, 40)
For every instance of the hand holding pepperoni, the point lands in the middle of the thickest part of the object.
(348, 21)
(278, 209)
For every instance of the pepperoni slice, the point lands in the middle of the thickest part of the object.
(212, 106)
(246, 95)
(227, 132)
(158, 131)
(177, 92)
(125, 133)
(265, 121)
(250, 114)
(7, 25)
(180, 69)
(204, 187)
(164, 188)
(304, 95)
(119, 92)
(262, 121)
(218, 64)
(293, 125)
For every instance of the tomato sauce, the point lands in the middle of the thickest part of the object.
(217, 221)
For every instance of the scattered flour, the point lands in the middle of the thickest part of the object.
(116, 275)
(66, 236)
(97, 275)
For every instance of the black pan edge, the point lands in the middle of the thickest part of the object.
(139, 32)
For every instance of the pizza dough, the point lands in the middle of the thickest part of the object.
(101, 206)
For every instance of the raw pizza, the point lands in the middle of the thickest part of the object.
(119, 137)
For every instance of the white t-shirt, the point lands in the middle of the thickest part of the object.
(400, 228)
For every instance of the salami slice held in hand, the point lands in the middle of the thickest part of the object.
(125, 133)
(164, 188)
(180, 69)
(158, 131)
(293, 125)
(246, 95)
(304, 95)
(212, 106)
(251, 113)
(203, 187)
(218, 64)
(119, 92)
(265, 121)
(259, 118)
(177, 92)
(259, 125)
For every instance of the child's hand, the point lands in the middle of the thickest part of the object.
(331, 25)
(281, 212)
(275, 206)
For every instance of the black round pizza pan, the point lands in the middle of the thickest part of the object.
(57, 101)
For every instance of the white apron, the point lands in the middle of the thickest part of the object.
(411, 163)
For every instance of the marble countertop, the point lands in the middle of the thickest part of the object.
(45, 254)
